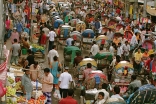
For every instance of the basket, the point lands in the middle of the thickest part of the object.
(35, 41)
(24, 51)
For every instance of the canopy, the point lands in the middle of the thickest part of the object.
(75, 33)
(123, 64)
(151, 11)
(58, 22)
(71, 50)
(88, 60)
(128, 34)
(148, 44)
(103, 55)
(101, 37)
(145, 94)
(88, 32)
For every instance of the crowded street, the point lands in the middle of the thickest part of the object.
(78, 52)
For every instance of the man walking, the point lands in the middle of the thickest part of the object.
(15, 52)
(64, 80)
(51, 36)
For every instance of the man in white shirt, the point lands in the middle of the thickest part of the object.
(117, 92)
(94, 49)
(112, 49)
(52, 53)
(134, 40)
(126, 50)
(104, 87)
(51, 36)
(64, 81)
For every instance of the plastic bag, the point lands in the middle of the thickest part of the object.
(57, 94)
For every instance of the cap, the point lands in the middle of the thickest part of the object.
(66, 68)
(14, 28)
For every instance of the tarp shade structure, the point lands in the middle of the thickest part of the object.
(3, 69)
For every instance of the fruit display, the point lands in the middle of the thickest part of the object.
(11, 101)
(37, 47)
(21, 99)
(10, 80)
(40, 100)
(10, 91)
(18, 86)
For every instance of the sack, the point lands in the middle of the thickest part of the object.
(57, 94)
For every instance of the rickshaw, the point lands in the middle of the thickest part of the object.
(82, 65)
(119, 26)
(148, 44)
(146, 94)
(58, 22)
(102, 40)
(115, 101)
(122, 73)
(103, 59)
(65, 31)
(80, 26)
(69, 55)
(128, 35)
(73, 22)
(77, 38)
(87, 38)
(91, 82)
(68, 18)
(112, 22)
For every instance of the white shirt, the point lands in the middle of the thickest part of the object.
(105, 93)
(113, 63)
(65, 78)
(134, 40)
(111, 50)
(126, 48)
(51, 54)
(119, 51)
(51, 35)
(117, 96)
(94, 49)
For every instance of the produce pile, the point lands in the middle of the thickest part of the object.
(10, 91)
(40, 100)
(37, 46)
(18, 86)
(10, 80)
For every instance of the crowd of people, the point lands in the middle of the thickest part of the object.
(18, 22)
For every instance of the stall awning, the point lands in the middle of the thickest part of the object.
(3, 68)
(151, 11)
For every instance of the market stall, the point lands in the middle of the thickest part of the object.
(14, 88)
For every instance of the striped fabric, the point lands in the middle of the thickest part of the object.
(3, 69)
(48, 95)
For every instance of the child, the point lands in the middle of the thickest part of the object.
(101, 99)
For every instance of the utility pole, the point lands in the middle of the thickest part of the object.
(135, 9)
(145, 7)
(155, 3)
(2, 29)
